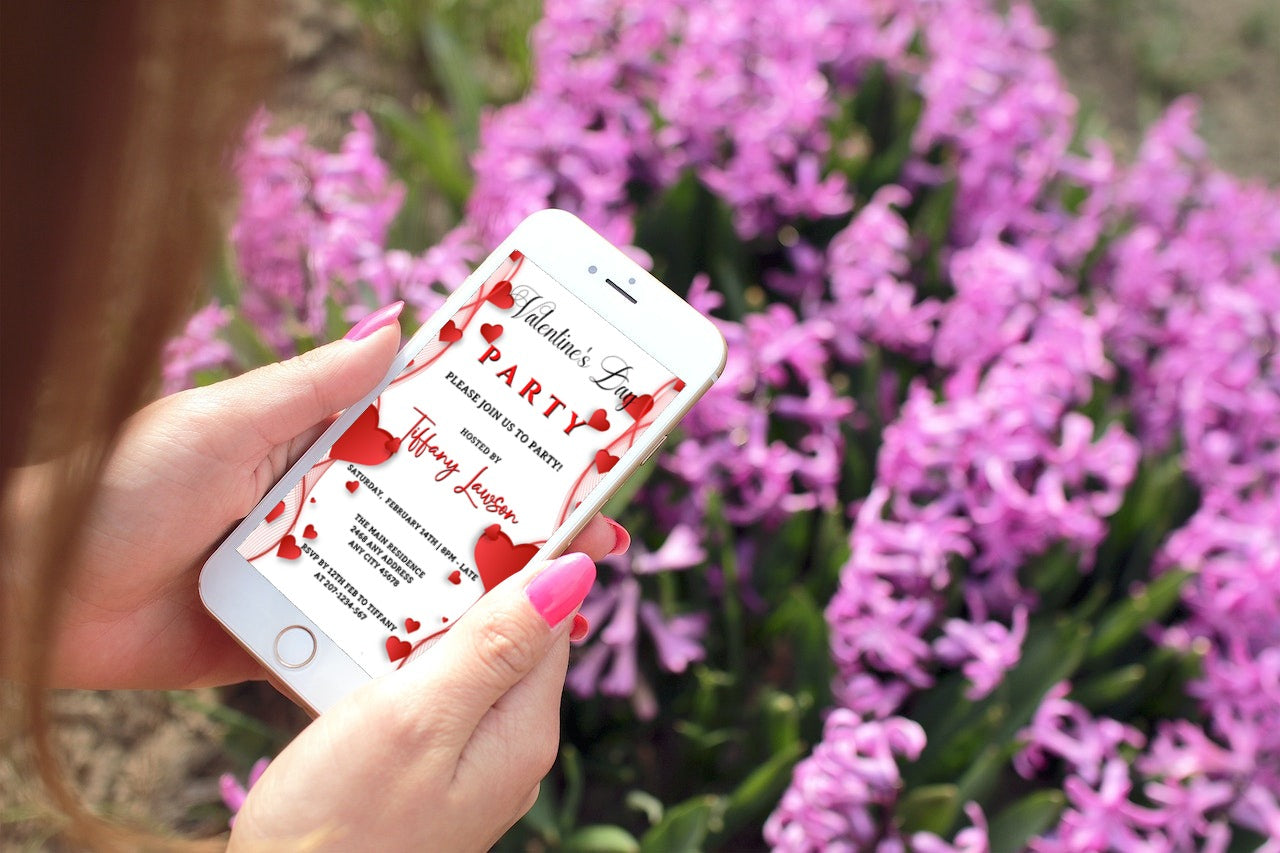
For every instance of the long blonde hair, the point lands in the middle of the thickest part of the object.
(118, 121)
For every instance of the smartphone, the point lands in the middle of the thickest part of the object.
(504, 424)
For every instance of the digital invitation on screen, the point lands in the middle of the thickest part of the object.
(461, 469)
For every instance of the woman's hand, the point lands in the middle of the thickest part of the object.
(444, 754)
(188, 468)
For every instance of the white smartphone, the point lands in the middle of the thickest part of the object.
(503, 425)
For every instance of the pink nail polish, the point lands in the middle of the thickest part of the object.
(560, 588)
(581, 627)
(384, 316)
(621, 538)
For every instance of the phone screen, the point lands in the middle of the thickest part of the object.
(462, 468)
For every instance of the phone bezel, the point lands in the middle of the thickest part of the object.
(254, 611)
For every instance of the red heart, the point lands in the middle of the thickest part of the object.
(310, 532)
(288, 549)
(679, 386)
(501, 295)
(397, 648)
(598, 420)
(313, 500)
(352, 485)
(455, 578)
(412, 625)
(363, 443)
(449, 333)
(393, 445)
(498, 558)
(491, 331)
(639, 406)
(605, 461)
(493, 531)
(276, 511)
(516, 255)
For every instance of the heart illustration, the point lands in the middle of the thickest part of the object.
(352, 485)
(449, 333)
(397, 648)
(498, 558)
(310, 532)
(679, 386)
(455, 578)
(501, 295)
(412, 625)
(276, 511)
(313, 500)
(393, 445)
(598, 420)
(444, 618)
(288, 549)
(639, 406)
(516, 255)
(491, 331)
(363, 443)
(605, 461)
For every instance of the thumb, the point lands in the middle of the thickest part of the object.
(280, 401)
(500, 640)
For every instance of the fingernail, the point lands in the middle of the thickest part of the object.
(560, 588)
(621, 538)
(384, 316)
(581, 627)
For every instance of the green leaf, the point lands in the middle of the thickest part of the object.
(683, 829)
(930, 808)
(571, 767)
(621, 500)
(752, 800)
(430, 141)
(249, 347)
(456, 72)
(1019, 823)
(1126, 619)
(601, 838)
(542, 817)
(1109, 687)
(647, 804)
(1050, 655)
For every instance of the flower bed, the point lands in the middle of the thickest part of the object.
(976, 545)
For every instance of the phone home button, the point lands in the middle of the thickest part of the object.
(295, 647)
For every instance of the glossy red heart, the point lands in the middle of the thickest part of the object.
(455, 577)
(352, 485)
(310, 532)
(449, 333)
(598, 420)
(412, 625)
(288, 549)
(501, 295)
(640, 406)
(491, 331)
(515, 255)
(393, 445)
(397, 648)
(605, 461)
(363, 443)
(498, 558)
(679, 386)
(276, 511)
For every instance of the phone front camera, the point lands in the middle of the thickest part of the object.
(592, 269)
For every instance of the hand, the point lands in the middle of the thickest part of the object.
(444, 754)
(187, 468)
